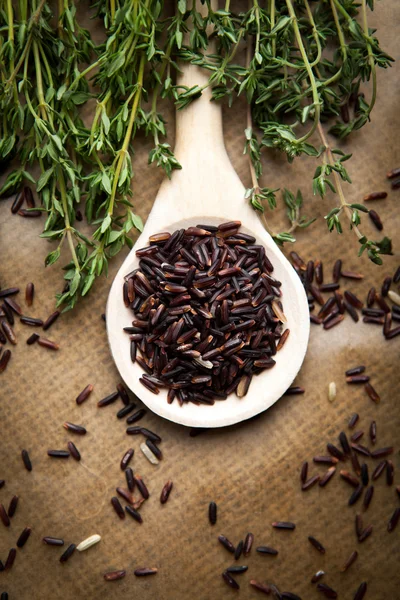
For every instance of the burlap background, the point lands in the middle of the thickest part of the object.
(251, 470)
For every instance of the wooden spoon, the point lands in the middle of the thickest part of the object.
(208, 190)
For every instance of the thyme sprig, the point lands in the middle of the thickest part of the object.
(296, 84)
(306, 64)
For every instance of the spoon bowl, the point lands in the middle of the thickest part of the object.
(265, 389)
(208, 191)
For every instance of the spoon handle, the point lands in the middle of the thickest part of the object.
(208, 185)
(199, 125)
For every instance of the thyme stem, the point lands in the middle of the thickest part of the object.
(127, 139)
(316, 101)
(370, 55)
(338, 184)
(10, 17)
(68, 228)
(42, 102)
(272, 18)
(315, 35)
(249, 125)
(339, 30)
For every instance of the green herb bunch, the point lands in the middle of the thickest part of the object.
(304, 68)
(306, 62)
